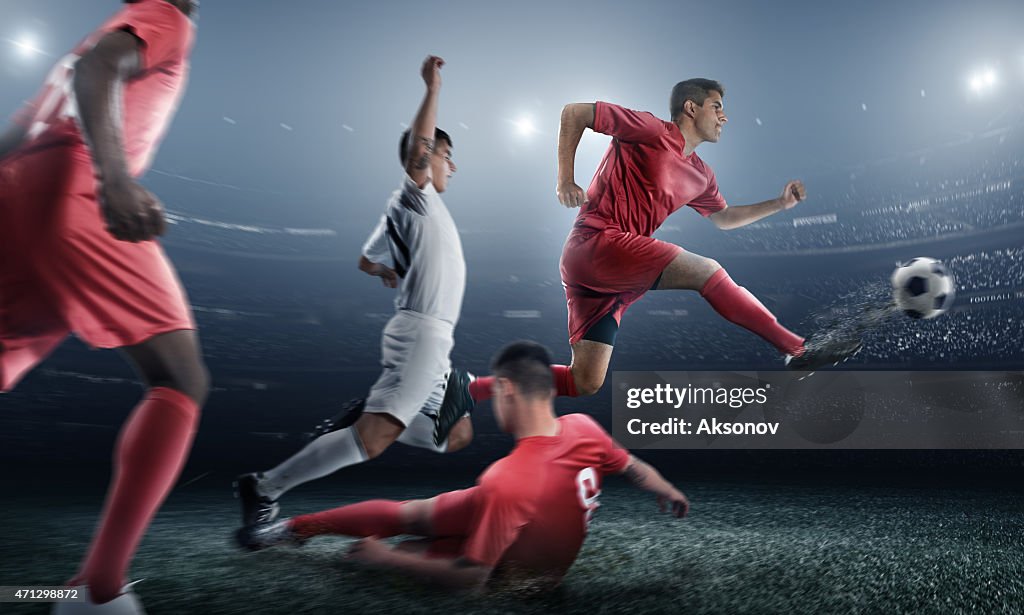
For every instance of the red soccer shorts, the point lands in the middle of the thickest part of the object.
(452, 521)
(607, 270)
(62, 272)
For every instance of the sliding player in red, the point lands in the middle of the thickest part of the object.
(610, 260)
(524, 522)
(78, 255)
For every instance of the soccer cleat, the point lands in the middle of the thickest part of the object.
(125, 604)
(346, 417)
(256, 508)
(457, 403)
(824, 351)
(266, 535)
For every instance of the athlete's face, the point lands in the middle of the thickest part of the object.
(441, 165)
(710, 117)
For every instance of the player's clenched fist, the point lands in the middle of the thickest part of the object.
(132, 213)
(793, 193)
(432, 71)
(570, 195)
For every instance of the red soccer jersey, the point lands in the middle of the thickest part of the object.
(644, 177)
(149, 99)
(535, 503)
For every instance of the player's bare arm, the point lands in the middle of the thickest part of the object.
(576, 117)
(386, 274)
(421, 137)
(451, 573)
(132, 213)
(644, 476)
(11, 139)
(736, 216)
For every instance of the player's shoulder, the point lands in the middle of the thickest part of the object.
(160, 11)
(413, 199)
(578, 422)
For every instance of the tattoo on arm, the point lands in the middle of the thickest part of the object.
(428, 148)
(637, 473)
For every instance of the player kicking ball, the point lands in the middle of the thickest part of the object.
(523, 523)
(416, 249)
(650, 170)
(78, 255)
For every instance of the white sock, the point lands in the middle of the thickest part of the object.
(325, 455)
(420, 432)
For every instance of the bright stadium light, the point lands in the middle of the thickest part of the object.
(525, 126)
(26, 46)
(983, 80)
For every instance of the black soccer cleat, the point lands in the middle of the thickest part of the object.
(266, 535)
(256, 508)
(457, 403)
(823, 352)
(346, 417)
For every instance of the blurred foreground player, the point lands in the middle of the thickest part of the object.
(416, 249)
(524, 522)
(610, 260)
(78, 255)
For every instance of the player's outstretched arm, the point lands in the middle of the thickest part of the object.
(643, 475)
(458, 574)
(131, 212)
(385, 273)
(576, 117)
(736, 216)
(11, 139)
(421, 135)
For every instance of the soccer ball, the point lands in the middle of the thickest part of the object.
(922, 288)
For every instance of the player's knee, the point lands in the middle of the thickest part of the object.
(414, 516)
(460, 436)
(192, 380)
(588, 383)
(377, 432)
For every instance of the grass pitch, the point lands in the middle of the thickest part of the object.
(745, 548)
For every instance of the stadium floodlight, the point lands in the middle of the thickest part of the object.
(983, 80)
(26, 46)
(524, 126)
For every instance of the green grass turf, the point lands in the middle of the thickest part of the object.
(746, 548)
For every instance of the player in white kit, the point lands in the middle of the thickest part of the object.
(416, 249)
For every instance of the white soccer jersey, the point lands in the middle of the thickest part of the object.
(418, 239)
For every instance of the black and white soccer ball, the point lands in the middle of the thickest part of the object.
(922, 288)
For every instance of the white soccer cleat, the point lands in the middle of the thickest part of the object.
(125, 604)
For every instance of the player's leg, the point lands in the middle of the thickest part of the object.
(585, 375)
(150, 453)
(689, 271)
(31, 319)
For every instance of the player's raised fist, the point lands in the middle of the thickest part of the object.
(793, 193)
(132, 213)
(432, 71)
(570, 195)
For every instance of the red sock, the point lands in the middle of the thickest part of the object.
(565, 384)
(480, 389)
(737, 305)
(373, 518)
(564, 381)
(148, 458)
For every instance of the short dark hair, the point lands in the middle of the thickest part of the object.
(403, 145)
(696, 90)
(528, 365)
